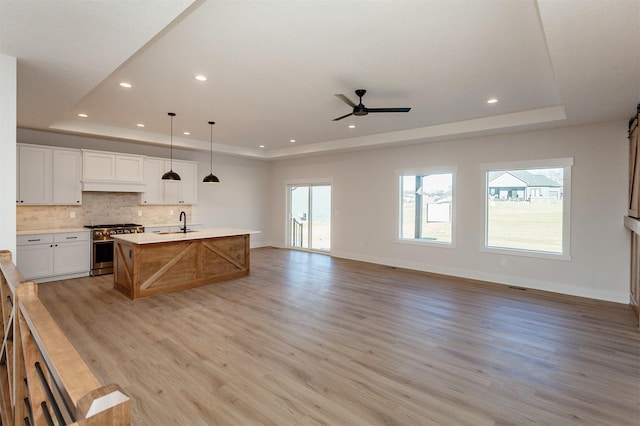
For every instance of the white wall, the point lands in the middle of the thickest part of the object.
(252, 195)
(238, 201)
(364, 208)
(8, 113)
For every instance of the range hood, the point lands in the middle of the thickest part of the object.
(112, 186)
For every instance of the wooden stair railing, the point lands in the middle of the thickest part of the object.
(43, 379)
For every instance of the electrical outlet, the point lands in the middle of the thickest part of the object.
(72, 215)
(139, 212)
(170, 212)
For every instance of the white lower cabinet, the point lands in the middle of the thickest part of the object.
(50, 257)
(35, 255)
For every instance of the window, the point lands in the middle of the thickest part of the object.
(527, 207)
(426, 207)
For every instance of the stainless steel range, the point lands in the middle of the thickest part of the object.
(102, 244)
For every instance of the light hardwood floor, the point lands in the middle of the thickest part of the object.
(308, 339)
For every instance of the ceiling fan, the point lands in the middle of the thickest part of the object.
(363, 110)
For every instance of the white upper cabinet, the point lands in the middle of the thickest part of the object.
(154, 191)
(189, 186)
(35, 183)
(67, 170)
(110, 171)
(49, 175)
(98, 165)
(158, 191)
(129, 168)
(185, 190)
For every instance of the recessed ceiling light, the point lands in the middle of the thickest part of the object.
(140, 125)
(492, 100)
(261, 146)
(83, 115)
(200, 77)
(352, 126)
(126, 85)
(292, 140)
(186, 133)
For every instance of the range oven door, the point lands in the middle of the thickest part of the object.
(102, 257)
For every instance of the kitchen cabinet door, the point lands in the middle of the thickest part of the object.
(129, 168)
(183, 191)
(172, 188)
(189, 183)
(34, 175)
(35, 261)
(71, 258)
(98, 165)
(154, 186)
(67, 173)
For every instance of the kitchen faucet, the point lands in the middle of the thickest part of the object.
(183, 216)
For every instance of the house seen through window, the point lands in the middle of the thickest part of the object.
(527, 209)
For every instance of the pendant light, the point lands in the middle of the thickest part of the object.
(171, 175)
(211, 178)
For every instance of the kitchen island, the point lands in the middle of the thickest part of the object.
(145, 264)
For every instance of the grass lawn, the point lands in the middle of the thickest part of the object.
(516, 225)
(522, 225)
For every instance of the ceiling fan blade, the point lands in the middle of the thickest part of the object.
(388, 109)
(346, 100)
(344, 116)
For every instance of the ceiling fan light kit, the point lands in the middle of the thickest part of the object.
(360, 109)
(171, 175)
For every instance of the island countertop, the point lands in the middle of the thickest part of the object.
(150, 238)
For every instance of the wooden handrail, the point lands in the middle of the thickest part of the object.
(42, 376)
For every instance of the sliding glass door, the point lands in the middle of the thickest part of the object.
(309, 217)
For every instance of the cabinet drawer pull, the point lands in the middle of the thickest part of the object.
(71, 238)
(33, 241)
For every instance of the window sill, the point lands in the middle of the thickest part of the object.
(526, 253)
(427, 243)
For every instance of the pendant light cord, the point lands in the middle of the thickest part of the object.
(211, 159)
(171, 115)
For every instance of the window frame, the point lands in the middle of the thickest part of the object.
(399, 213)
(566, 164)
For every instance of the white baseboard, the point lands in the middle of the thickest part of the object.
(550, 286)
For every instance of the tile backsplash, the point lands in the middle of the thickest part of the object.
(97, 208)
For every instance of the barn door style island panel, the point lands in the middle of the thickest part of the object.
(147, 264)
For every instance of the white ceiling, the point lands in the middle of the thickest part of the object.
(274, 66)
